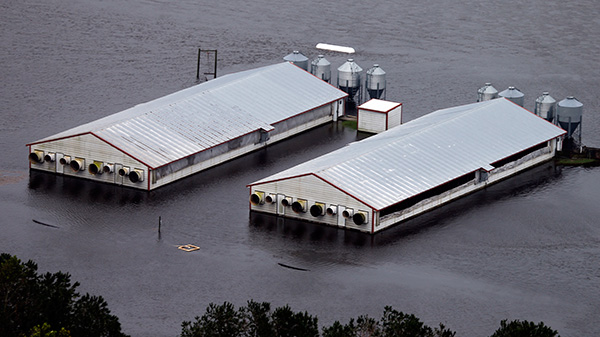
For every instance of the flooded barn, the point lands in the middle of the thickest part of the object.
(375, 183)
(155, 143)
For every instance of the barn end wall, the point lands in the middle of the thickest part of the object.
(90, 149)
(313, 191)
(495, 175)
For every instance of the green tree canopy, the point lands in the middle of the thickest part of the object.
(48, 304)
(519, 328)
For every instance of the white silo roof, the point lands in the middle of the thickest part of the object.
(429, 151)
(208, 114)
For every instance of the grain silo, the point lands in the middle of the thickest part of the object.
(545, 107)
(155, 143)
(569, 116)
(376, 82)
(298, 59)
(486, 93)
(321, 68)
(349, 78)
(513, 94)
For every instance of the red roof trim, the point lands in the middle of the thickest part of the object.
(116, 147)
(311, 174)
(60, 138)
(276, 180)
(336, 187)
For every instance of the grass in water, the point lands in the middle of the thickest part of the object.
(349, 124)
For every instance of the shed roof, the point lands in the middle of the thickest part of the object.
(379, 105)
(426, 152)
(208, 114)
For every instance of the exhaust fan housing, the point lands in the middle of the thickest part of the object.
(77, 164)
(257, 198)
(299, 206)
(36, 157)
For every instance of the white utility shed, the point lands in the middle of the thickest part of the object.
(155, 143)
(376, 115)
(377, 182)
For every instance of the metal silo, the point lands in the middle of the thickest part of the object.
(513, 94)
(545, 106)
(486, 93)
(321, 68)
(298, 59)
(569, 113)
(375, 81)
(349, 78)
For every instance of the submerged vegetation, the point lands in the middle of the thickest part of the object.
(48, 305)
(350, 123)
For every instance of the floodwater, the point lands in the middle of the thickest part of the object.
(527, 248)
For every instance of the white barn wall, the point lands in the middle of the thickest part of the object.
(89, 148)
(313, 190)
(395, 117)
(371, 121)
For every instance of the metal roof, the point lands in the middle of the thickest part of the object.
(429, 151)
(211, 113)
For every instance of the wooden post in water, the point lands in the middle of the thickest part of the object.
(198, 66)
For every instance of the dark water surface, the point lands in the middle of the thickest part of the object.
(527, 248)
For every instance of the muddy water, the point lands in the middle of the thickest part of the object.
(524, 249)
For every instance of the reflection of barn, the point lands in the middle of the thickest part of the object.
(155, 143)
(414, 167)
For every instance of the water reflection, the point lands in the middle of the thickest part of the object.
(83, 191)
(307, 231)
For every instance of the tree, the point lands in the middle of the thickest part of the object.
(45, 330)
(32, 303)
(218, 321)
(364, 327)
(393, 323)
(288, 323)
(256, 320)
(518, 328)
(258, 317)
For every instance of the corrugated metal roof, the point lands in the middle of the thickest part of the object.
(427, 152)
(211, 113)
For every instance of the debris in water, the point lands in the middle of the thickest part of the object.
(291, 267)
(44, 224)
(189, 247)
